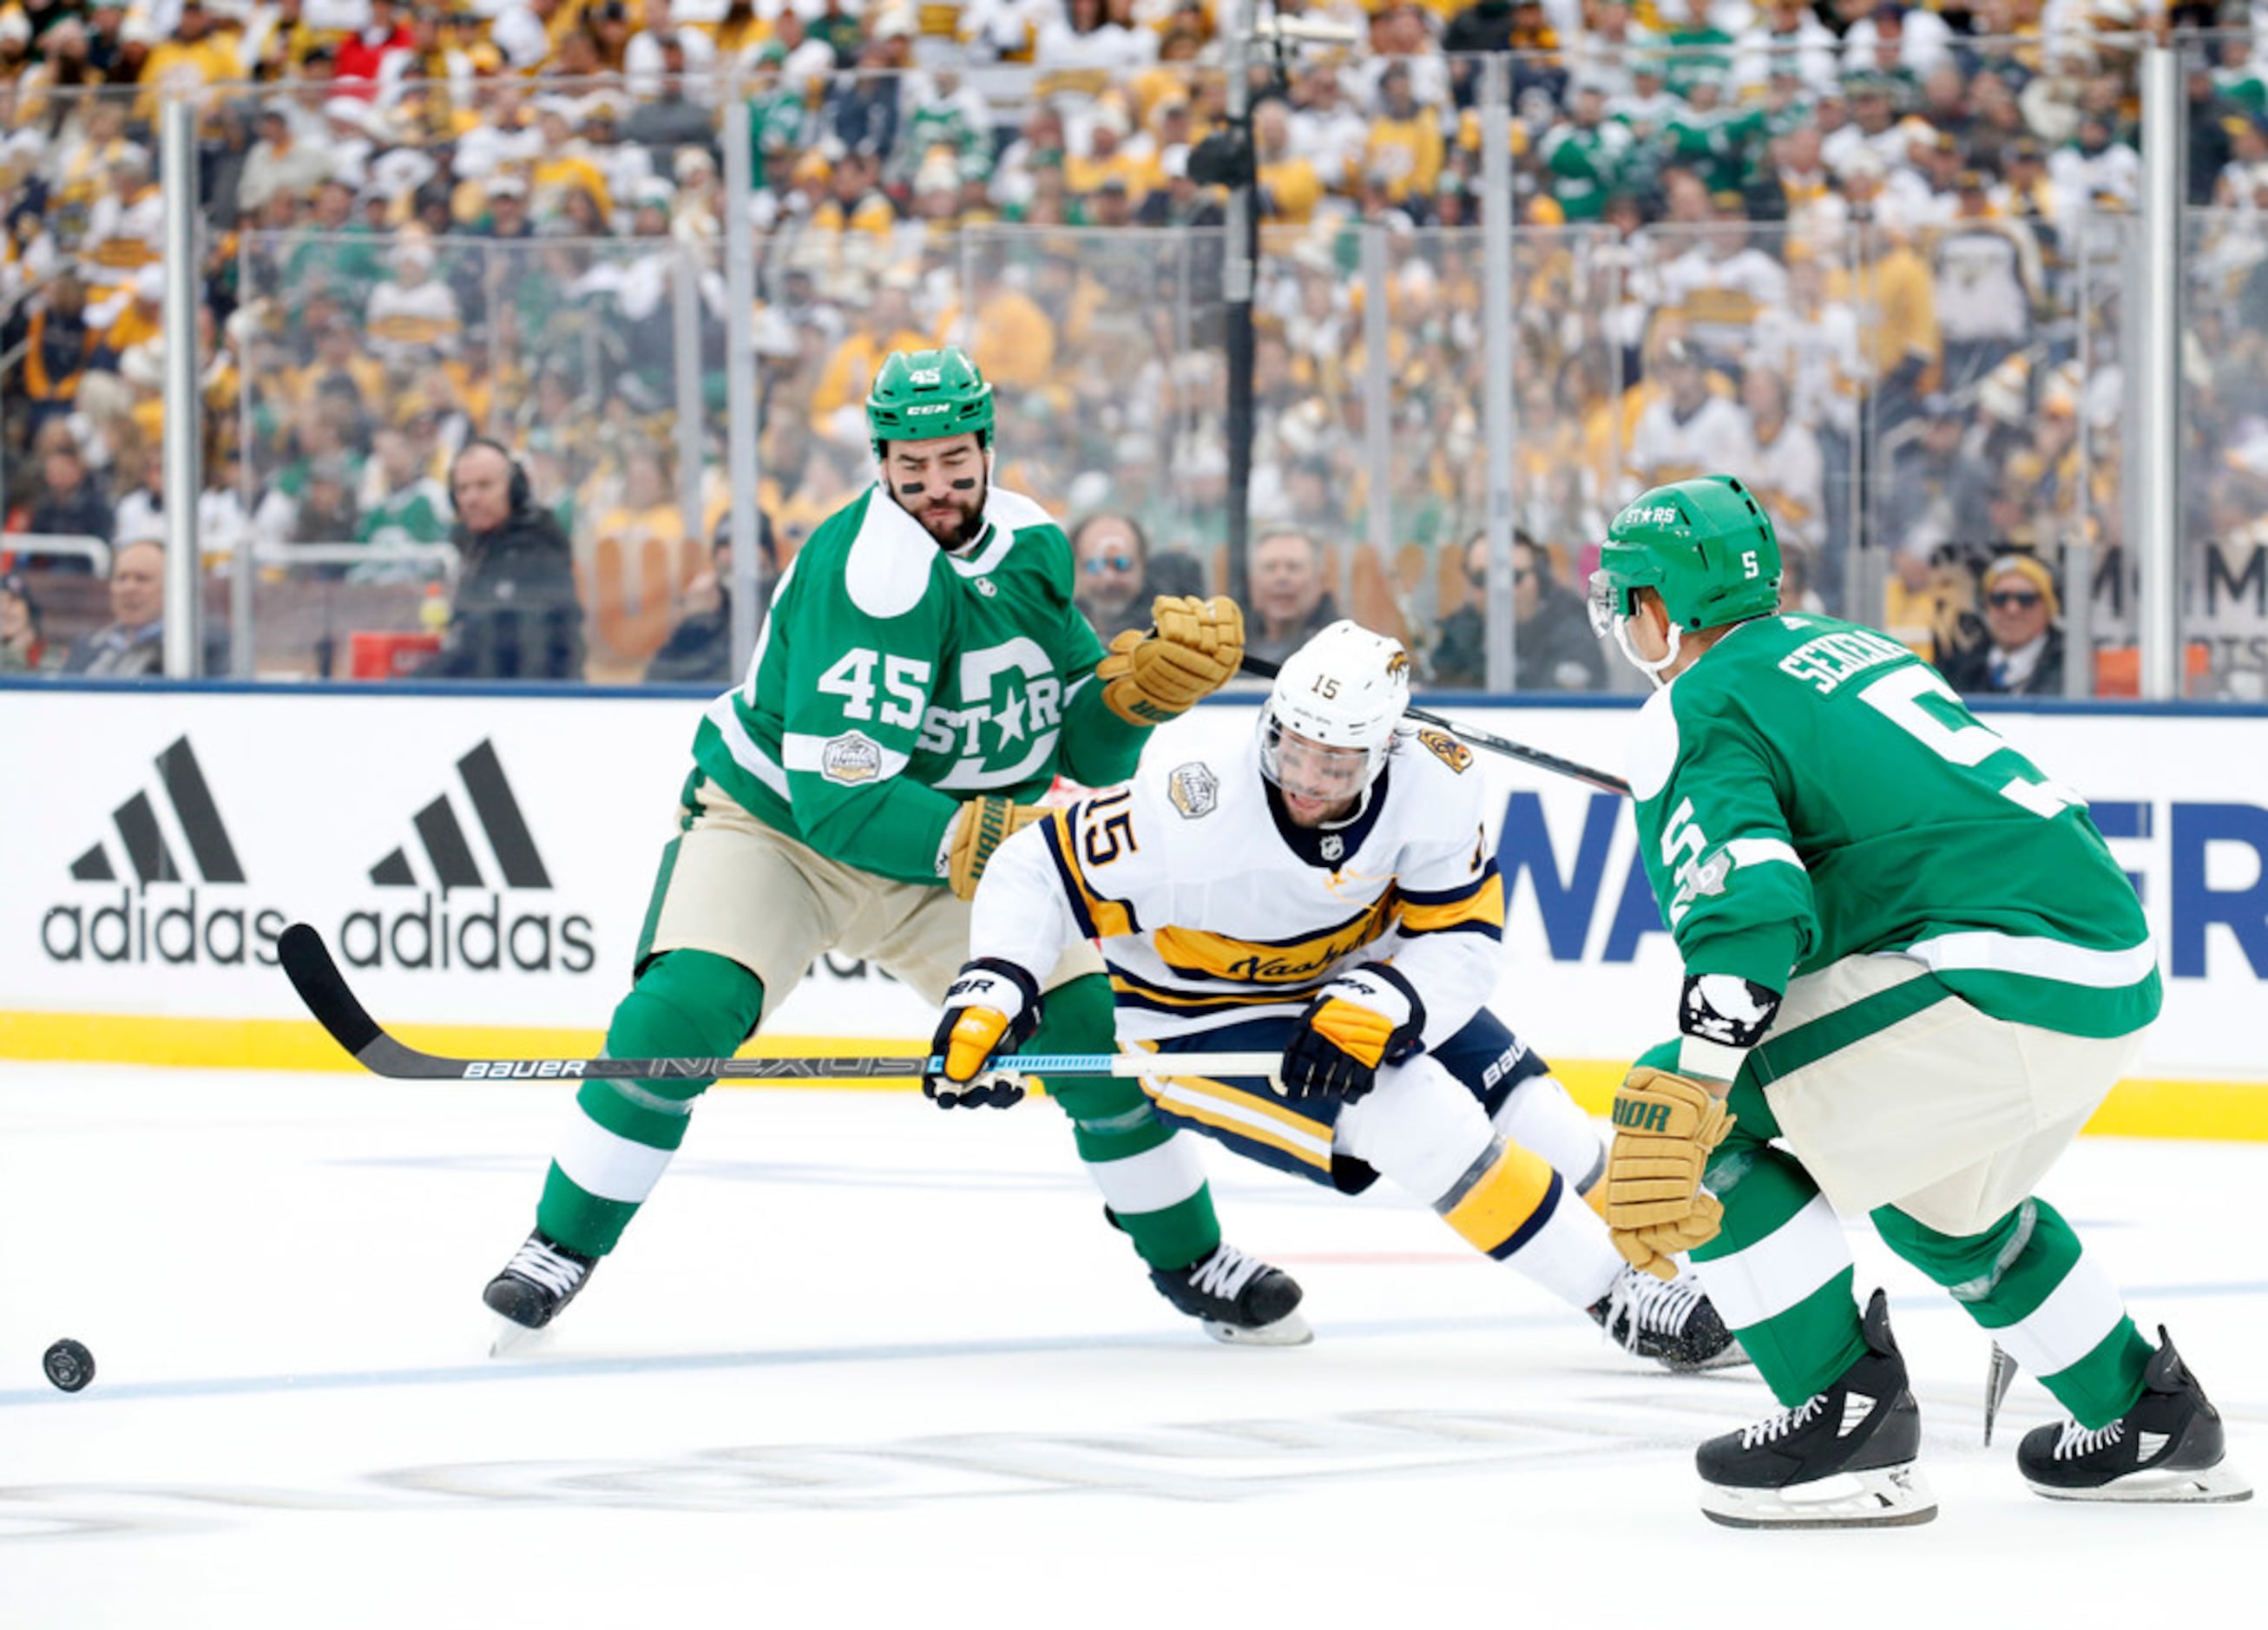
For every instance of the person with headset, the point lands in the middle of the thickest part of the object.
(515, 614)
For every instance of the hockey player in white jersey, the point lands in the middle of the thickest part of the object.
(1324, 890)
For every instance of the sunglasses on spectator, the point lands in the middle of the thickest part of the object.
(1100, 564)
(1519, 574)
(2012, 598)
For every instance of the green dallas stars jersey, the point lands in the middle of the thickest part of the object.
(1811, 790)
(415, 513)
(894, 680)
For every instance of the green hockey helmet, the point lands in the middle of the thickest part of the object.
(1705, 546)
(920, 394)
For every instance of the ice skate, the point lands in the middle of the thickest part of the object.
(1240, 1299)
(542, 1278)
(2168, 1447)
(1670, 1321)
(1843, 1459)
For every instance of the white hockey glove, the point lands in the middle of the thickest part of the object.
(1366, 1017)
(991, 1005)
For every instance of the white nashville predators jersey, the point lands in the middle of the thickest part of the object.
(1211, 909)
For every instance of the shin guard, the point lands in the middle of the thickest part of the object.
(1149, 1174)
(686, 1004)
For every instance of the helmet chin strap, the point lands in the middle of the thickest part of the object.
(1653, 670)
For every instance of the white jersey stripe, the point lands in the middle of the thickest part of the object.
(2070, 1324)
(1982, 950)
(1762, 851)
(1779, 1270)
(1152, 1180)
(747, 751)
(807, 752)
(608, 1165)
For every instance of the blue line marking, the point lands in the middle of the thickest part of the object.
(532, 1369)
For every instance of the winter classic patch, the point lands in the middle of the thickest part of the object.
(851, 760)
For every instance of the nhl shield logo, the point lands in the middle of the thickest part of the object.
(1195, 790)
(1333, 847)
(851, 760)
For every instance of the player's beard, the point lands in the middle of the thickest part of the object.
(953, 519)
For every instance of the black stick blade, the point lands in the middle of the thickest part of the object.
(307, 960)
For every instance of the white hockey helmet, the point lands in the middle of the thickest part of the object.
(1346, 689)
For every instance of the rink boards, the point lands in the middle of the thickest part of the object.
(480, 860)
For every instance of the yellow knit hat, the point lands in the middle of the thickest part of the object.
(2032, 571)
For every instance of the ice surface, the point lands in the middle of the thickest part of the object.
(860, 1362)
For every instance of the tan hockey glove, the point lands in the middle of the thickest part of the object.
(1195, 649)
(1665, 1128)
(982, 825)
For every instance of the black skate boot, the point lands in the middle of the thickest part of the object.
(1670, 1321)
(542, 1278)
(1841, 1459)
(2167, 1448)
(1242, 1300)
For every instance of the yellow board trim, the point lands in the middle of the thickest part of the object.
(301, 1044)
(2219, 1111)
(2144, 1107)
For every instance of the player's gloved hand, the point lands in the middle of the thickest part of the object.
(1366, 1016)
(983, 825)
(991, 1005)
(1665, 1128)
(1194, 650)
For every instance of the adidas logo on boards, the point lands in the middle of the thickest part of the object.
(444, 934)
(178, 928)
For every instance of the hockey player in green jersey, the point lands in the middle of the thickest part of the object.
(922, 678)
(1912, 970)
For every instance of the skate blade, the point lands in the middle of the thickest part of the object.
(1892, 1497)
(507, 1338)
(1290, 1330)
(1730, 1354)
(2220, 1484)
(2000, 1375)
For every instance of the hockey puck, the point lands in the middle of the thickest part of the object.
(68, 1364)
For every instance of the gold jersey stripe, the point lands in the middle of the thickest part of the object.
(1142, 993)
(1099, 915)
(1196, 954)
(1503, 1200)
(1483, 904)
(1218, 1105)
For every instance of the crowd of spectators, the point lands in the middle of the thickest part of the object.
(1869, 256)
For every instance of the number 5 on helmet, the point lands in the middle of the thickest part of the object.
(1666, 1127)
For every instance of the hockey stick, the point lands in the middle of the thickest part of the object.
(307, 960)
(1261, 668)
